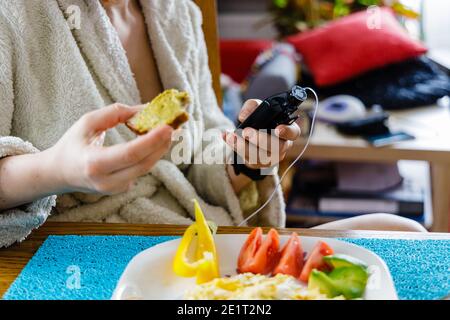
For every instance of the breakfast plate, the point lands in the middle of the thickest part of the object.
(150, 274)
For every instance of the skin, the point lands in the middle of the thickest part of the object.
(375, 221)
(250, 142)
(78, 163)
(127, 18)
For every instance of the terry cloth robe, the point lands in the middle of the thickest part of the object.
(51, 74)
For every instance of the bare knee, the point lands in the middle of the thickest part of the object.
(376, 221)
(391, 222)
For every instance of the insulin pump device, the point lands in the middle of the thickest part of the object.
(281, 108)
(278, 109)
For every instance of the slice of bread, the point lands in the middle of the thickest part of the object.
(167, 108)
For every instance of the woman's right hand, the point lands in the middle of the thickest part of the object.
(84, 165)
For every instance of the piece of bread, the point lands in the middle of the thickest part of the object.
(167, 108)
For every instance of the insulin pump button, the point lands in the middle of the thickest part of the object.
(299, 93)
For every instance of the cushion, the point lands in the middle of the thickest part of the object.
(238, 56)
(351, 46)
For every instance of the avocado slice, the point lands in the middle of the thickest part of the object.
(321, 282)
(349, 281)
(342, 260)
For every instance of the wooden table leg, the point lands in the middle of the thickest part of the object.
(440, 179)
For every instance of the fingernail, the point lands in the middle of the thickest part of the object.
(279, 132)
(249, 133)
(230, 138)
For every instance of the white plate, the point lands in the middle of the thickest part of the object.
(149, 274)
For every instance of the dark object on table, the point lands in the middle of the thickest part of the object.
(414, 83)
(374, 129)
(373, 124)
(389, 138)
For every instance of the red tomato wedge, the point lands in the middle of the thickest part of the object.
(258, 256)
(291, 260)
(250, 247)
(315, 260)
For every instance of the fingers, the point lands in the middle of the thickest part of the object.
(264, 141)
(123, 177)
(106, 118)
(125, 155)
(248, 108)
(291, 132)
(254, 157)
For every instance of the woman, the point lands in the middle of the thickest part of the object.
(56, 76)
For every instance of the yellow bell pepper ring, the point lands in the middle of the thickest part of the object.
(181, 264)
(205, 266)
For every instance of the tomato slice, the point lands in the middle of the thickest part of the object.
(269, 252)
(291, 260)
(315, 260)
(249, 249)
(257, 256)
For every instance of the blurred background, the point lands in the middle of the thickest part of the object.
(381, 69)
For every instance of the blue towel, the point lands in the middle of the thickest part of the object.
(88, 267)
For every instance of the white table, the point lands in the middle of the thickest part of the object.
(431, 127)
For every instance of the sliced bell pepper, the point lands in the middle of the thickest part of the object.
(258, 256)
(291, 260)
(316, 261)
(205, 265)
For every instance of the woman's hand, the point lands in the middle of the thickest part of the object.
(79, 163)
(257, 148)
(87, 166)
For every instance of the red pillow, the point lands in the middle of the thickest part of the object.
(238, 56)
(350, 46)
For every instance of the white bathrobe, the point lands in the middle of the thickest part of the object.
(52, 74)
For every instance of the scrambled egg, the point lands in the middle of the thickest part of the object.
(249, 286)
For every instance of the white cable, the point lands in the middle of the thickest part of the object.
(313, 122)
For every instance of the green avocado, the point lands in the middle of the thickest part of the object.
(320, 281)
(342, 260)
(349, 281)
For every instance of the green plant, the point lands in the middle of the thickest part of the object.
(293, 16)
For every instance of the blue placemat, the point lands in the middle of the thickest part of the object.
(88, 267)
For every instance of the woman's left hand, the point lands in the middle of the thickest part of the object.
(258, 148)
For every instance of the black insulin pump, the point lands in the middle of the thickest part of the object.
(278, 109)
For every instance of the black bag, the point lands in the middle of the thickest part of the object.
(412, 83)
